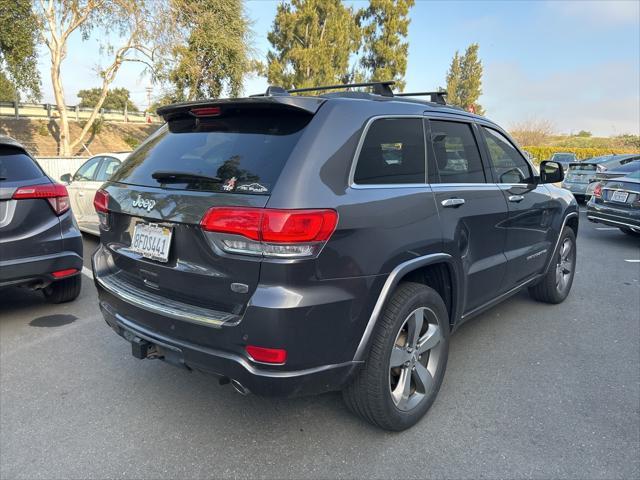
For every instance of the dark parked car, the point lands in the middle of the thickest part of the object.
(579, 175)
(616, 202)
(40, 244)
(564, 158)
(614, 172)
(300, 244)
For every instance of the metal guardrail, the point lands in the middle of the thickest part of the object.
(75, 112)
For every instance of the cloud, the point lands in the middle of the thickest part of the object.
(599, 13)
(602, 98)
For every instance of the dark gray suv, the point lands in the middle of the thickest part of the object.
(298, 244)
(40, 244)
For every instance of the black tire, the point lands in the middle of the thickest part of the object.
(630, 232)
(550, 289)
(370, 394)
(62, 291)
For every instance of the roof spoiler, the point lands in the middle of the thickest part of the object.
(214, 107)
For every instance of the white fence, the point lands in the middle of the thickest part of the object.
(55, 167)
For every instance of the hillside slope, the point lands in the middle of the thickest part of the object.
(40, 136)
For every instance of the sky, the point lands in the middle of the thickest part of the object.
(573, 63)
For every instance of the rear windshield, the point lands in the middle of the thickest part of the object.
(15, 166)
(584, 167)
(563, 157)
(240, 152)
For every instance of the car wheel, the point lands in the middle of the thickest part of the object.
(62, 291)
(407, 360)
(556, 284)
(630, 232)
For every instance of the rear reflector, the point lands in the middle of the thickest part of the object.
(270, 232)
(64, 273)
(267, 355)
(101, 201)
(55, 193)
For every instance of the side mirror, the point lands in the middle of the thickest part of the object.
(551, 172)
(66, 178)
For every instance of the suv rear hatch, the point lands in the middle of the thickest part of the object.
(226, 154)
(581, 172)
(26, 228)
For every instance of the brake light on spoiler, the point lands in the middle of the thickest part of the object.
(55, 193)
(270, 232)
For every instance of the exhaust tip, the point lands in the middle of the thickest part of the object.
(241, 389)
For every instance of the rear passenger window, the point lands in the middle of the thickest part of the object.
(15, 166)
(456, 152)
(392, 153)
(507, 162)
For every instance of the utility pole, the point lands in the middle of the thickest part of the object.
(149, 89)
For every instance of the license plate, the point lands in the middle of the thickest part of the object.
(152, 241)
(619, 196)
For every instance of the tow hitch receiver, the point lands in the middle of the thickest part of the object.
(141, 348)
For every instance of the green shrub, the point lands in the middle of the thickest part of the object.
(131, 141)
(42, 129)
(96, 126)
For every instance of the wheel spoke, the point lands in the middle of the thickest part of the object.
(398, 357)
(566, 249)
(414, 326)
(402, 391)
(423, 378)
(430, 339)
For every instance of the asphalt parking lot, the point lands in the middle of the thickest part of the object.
(531, 390)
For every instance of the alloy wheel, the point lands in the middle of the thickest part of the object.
(565, 265)
(415, 358)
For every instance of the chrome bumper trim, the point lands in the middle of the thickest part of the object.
(162, 306)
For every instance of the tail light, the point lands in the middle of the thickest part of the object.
(55, 193)
(270, 232)
(101, 204)
(597, 190)
(267, 355)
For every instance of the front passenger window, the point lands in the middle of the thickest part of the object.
(507, 162)
(87, 171)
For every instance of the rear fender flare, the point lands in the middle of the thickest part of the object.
(394, 278)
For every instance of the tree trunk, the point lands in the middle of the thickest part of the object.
(58, 92)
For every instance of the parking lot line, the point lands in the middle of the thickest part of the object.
(606, 228)
(87, 271)
(632, 260)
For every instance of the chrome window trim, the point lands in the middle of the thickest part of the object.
(354, 162)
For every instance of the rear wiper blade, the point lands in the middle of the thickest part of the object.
(168, 176)
(3, 178)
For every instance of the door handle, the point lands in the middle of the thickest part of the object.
(516, 198)
(452, 202)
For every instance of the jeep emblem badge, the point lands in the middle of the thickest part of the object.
(144, 203)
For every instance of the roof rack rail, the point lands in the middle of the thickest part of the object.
(436, 97)
(380, 88)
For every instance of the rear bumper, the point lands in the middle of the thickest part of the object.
(34, 270)
(319, 323)
(576, 188)
(261, 381)
(614, 217)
